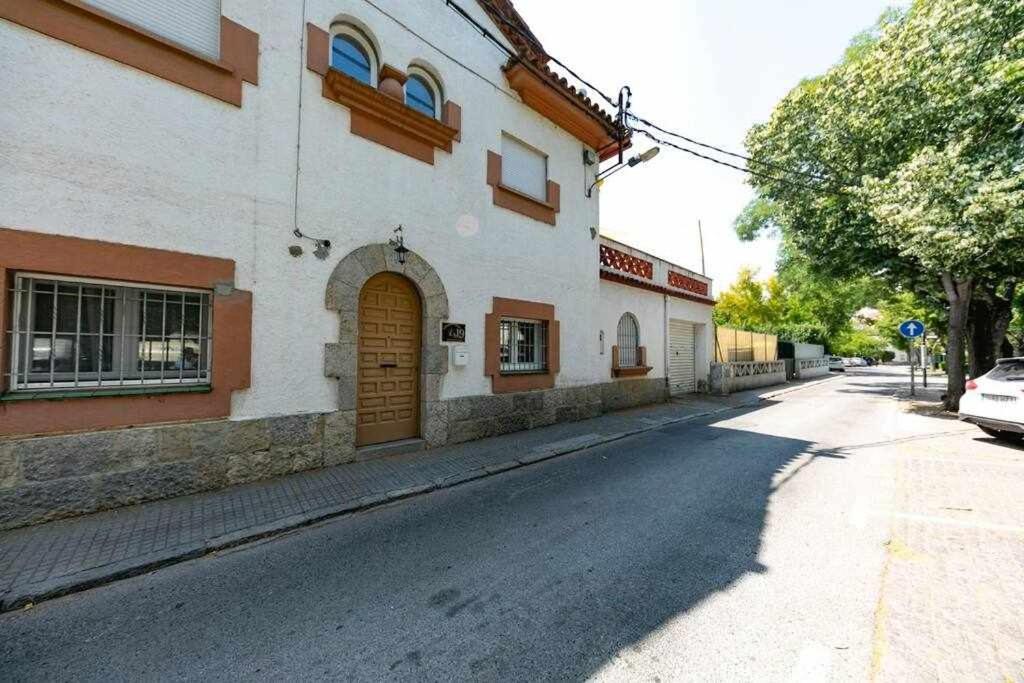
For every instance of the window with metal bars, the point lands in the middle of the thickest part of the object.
(76, 333)
(628, 341)
(524, 346)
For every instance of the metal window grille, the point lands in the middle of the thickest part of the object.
(628, 338)
(524, 346)
(75, 333)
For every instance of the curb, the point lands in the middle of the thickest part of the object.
(33, 594)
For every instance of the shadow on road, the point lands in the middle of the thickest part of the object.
(547, 572)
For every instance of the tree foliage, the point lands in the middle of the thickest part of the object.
(909, 156)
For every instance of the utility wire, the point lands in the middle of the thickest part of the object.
(531, 38)
(735, 155)
(513, 55)
(497, 13)
(752, 172)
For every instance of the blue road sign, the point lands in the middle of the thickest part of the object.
(911, 328)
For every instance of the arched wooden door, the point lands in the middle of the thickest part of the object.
(388, 386)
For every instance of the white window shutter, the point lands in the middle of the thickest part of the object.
(194, 24)
(524, 168)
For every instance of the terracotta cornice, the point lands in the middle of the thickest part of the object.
(651, 287)
(546, 99)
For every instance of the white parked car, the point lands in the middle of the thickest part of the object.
(995, 402)
(836, 363)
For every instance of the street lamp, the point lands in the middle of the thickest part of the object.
(634, 161)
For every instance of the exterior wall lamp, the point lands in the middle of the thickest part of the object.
(634, 161)
(321, 248)
(397, 243)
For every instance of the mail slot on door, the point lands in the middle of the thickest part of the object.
(460, 356)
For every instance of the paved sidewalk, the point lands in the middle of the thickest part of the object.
(45, 561)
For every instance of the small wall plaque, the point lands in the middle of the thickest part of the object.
(453, 332)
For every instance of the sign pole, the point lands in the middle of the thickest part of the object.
(924, 361)
(911, 354)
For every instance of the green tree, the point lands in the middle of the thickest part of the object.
(911, 159)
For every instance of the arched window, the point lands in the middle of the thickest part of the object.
(422, 92)
(419, 96)
(628, 338)
(352, 54)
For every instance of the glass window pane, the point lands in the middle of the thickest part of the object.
(40, 357)
(154, 314)
(90, 315)
(192, 314)
(172, 322)
(67, 312)
(190, 355)
(42, 310)
(64, 354)
(349, 57)
(88, 355)
(419, 96)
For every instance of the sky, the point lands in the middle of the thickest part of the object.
(708, 69)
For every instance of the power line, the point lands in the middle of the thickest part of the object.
(752, 172)
(500, 16)
(735, 155)
(516, 57)
(508, 22)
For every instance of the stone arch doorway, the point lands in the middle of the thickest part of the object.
(342, 358)
(387, 360)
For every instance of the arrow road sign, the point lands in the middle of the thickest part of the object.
(911, 328)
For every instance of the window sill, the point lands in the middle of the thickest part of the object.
(102, 33)
(61, 394)
(519, 373)
(386, 121)
(637, 371)
(543, 210)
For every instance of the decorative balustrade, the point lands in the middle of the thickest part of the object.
(690, 284)
(621, 261)
(811, 363)
(756, 368)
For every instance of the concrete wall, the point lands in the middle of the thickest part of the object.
(727, 378)
(811, 367)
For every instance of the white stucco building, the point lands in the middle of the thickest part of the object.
(198, 216)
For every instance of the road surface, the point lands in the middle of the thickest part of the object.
(792, 541)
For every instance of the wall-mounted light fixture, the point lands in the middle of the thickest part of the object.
(397, 243)
(321, 248)
(635, 161)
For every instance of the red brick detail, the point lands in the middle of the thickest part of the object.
(620, 260)
(688, 283)
(651, 287)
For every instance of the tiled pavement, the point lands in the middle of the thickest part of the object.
(59, 557)
(952, 603)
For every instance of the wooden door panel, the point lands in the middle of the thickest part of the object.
(387, 400)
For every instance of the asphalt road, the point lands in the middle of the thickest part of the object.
(737, 548)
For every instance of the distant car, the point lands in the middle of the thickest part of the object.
(995, 401)
(836, 363)
(869, 362)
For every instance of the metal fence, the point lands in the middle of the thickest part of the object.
(741, 346)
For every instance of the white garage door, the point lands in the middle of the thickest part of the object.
(681, 357)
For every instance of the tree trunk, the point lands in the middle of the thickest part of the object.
(980, 325)
(990, 318)
(958, 293)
